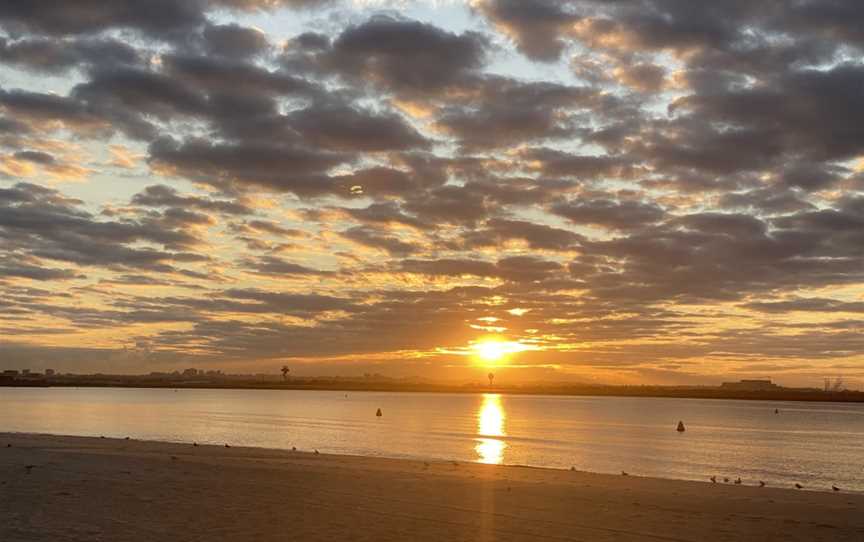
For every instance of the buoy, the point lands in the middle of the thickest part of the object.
(379, 413)
(681, 428)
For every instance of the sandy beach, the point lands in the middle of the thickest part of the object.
(92, 489)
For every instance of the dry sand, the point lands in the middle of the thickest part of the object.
(86, 489)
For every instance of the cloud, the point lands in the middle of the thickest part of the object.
(651, 188)
(234, 41)
(407, 57)
(537, 26)
(259, 164)
(615, 215)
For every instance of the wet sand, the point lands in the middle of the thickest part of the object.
(91, 489)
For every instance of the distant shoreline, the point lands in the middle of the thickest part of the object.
(784, 394)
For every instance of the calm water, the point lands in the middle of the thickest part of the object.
(816, 444)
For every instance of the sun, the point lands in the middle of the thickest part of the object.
(493, 350)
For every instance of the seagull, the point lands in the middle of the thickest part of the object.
(226, 445)
(127, 438)
(316, 452)
(624, 473)
(713, 479)
(738, 481)
(194, 444)
(835, 488)
(726, 480)
(798, 486)
(761, 483)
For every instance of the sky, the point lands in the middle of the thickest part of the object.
(627, 191)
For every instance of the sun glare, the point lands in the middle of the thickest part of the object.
(495, 350)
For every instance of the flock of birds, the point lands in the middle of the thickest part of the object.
(681, 428)
(738, 482)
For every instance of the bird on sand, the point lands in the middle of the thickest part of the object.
(316, 452)
(624, 473)
(293, 448)
(195, 444)
(835, 488)
(573, 468)
(798, 486)
(725, 480)
(738, 481)
(713, 479)
(127, 438)
(761, 483)
(226, 445)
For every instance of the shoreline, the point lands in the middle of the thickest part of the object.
(656, 392)
(90, 488)
(421, 459)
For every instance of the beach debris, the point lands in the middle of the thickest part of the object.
(798, 486)
(379, 413)
(681, 427)
(713, 479)
(835, 488)
(624, 473)
(738, 481)
(761, 483)
(29, 468)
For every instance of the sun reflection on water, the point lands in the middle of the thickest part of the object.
(490, 424)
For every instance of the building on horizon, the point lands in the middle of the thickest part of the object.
(750, 385)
